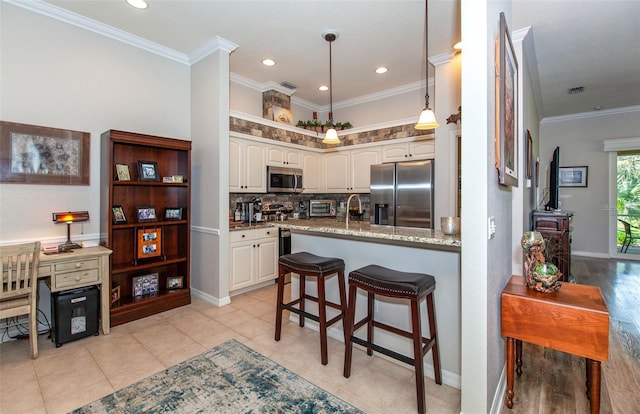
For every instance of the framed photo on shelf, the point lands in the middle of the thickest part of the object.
(173, 213)
(32, 154)
(144, 285)
(148, 171)
(149, 243)
(146, 214)
(574, 176)
(118, 215)
(506, 108)
(175, 282)
(115, 294)
(122, 172)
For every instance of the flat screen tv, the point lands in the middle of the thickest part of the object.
(554, 181)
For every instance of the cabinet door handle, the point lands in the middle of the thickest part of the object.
(268, 232)
(243, 236)
(77, 278)
(78, 265)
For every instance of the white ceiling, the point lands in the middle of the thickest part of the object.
(590, 43)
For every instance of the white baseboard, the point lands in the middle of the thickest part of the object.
(211, 299)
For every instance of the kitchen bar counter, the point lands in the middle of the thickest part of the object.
(364, 231)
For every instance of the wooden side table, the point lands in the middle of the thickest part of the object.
(575, 319)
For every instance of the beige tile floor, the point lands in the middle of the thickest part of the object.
(79, 372)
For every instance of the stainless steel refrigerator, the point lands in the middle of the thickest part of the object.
(402, 194)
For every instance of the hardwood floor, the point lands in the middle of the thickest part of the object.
(554, 382)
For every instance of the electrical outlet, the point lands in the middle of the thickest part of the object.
(491, 227)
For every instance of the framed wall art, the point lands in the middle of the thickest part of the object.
(148, 171)
(118, 216)
(146, 214)
(149, 243)
(31, 154)
(506, 108)
(574, 176)
(282, 115)
(529, 156)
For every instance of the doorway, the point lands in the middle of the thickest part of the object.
(628, 203)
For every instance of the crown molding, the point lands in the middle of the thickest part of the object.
(213, 45)
(66, 16)
(590, 114)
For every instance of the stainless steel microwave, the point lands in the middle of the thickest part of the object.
(322, 208)
(284, 180)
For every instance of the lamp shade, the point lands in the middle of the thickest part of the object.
(71, 217)
(331, 137)
(427, 120)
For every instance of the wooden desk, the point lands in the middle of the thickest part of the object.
(575, 319)
(80, 268)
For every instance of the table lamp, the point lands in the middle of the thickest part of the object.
(68, 218)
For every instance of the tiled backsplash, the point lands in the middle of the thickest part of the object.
(235, 198)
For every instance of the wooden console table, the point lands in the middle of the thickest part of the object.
(80, 268)
(575, 319)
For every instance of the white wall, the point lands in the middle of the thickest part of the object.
(485, 266)
(57, 75)
(580, 140)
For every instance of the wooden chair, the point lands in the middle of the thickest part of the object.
(19, 283)
(628, 236)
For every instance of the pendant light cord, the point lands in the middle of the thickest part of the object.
(331, 38)
(426, 53)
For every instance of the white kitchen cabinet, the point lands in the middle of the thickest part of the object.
(312, 176)
(247, 166)
(284, 157)
(253, 257)
(350, 171)
(408, 151)
(336, 167)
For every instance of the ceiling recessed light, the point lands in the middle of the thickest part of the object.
(324, 88)
(268, 62)
(138, 4)
(381, 70)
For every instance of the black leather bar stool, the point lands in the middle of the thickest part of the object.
(307, 264)
(378, 280)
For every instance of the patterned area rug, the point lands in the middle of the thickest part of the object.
(229, 378)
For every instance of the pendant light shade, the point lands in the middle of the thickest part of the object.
(331, 137)
(427, 118)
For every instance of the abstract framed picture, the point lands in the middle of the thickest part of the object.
(31, 154)
(506, 108)
(574, 176)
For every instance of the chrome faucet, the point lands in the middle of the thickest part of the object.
(349, 203)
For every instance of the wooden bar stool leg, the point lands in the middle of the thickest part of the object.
(322, 315)
(281, 273)
(417, 355)
(302, 300)
(348, 323)
(343, 301)
(433, 332)
(370, 301)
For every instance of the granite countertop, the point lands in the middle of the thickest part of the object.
(364, 231)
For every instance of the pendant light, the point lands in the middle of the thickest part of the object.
(331, 137)
(427, 118)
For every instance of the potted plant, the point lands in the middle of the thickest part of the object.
(338, 126)
(301, 124)
(346, 125)
(327, 125)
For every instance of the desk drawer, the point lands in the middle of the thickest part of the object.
(74, 279)
(76, 265)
